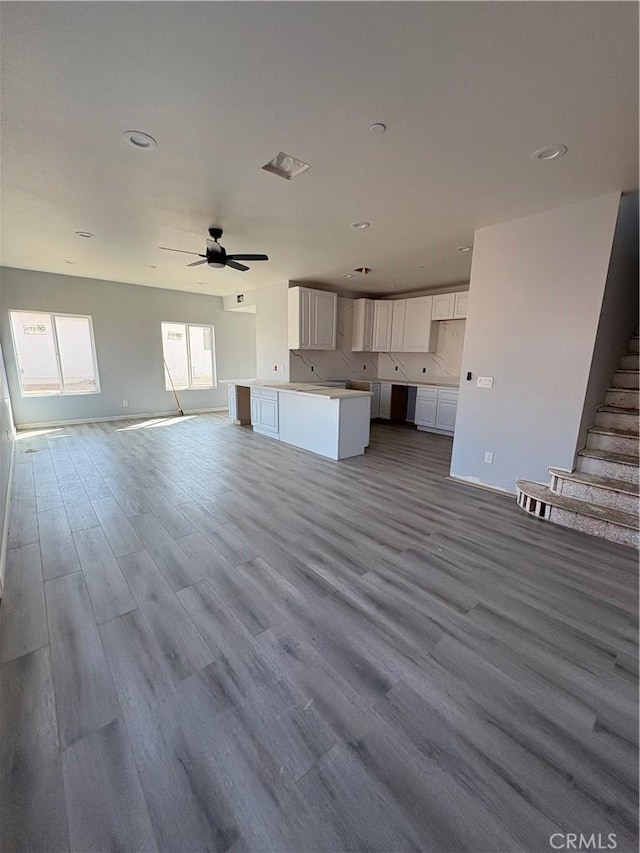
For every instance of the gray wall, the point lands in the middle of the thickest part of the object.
(126, 323)
(619, 314)
(536, 292)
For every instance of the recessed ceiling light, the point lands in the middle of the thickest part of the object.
(202, 282)
(361, 224)
(286, 166)
(69, 262)
(393, 286)
(153, 267)
(363, 270)
(377, 127)
(465, 248)
(348, 275)
(86, 234)
(140, 140)
(551, 152)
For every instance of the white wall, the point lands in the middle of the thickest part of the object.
(126, 324)
(536, 291)
(619, 314)
(272, 343)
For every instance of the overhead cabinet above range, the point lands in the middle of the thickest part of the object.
(450, 306)
(312, 319)
(394, 325)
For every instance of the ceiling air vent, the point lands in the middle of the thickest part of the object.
(286, 166)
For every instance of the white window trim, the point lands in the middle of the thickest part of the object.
(62, 392)
(214, 369)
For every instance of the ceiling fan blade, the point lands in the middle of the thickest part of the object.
(248, 257)
(197, 263)
(235, 265)
(184, 251)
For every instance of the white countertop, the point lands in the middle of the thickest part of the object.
(303, 388)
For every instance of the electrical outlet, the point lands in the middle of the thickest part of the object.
(125, 403)
(396, 366)
(485, 382)
(424, 369)
(488, 457)
(275, 368)
(312, 368)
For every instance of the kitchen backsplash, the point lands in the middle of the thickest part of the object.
(445, 363)
(340, 363)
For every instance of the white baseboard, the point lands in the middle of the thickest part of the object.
(133, 417)
(477, 485)
(5, 526)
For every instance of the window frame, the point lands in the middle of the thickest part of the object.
(53, 315)
(214, 370)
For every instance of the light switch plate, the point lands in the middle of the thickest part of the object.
(488, 457)
(485, 382)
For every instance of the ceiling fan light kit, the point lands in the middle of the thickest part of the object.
(216, 256)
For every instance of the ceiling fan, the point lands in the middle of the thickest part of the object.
(216, 256)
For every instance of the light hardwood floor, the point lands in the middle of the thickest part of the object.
(213, 641)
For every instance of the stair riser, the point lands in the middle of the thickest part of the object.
(614, 443)
(613, 420)
(634, 345)
(626, 380)
(606, 468)
(630, 362)
(625, 399)
(595, 494)
(595, 527)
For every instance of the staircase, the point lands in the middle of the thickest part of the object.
(601, 496)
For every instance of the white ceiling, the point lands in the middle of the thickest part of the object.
(468, 91)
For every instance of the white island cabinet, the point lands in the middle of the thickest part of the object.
(330, 421)
(337, 428)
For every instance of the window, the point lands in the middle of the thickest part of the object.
(55, 353)
(188, 356)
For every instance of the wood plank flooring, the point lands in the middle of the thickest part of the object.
(211, 641)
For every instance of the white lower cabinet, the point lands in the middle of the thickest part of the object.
(264, 411)
(384, 409)
(447, 409)
(436, 409)
(233, 403)
(426, 406)
(375, 400)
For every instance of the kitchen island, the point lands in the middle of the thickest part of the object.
(333, 422)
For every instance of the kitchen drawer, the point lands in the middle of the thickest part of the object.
(427, 393)
(448, 396)
(264, 393)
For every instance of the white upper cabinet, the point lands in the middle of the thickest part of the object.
(312, 319)
(362, 325)
(420, 333)
(382, 320)
(460, 309)
(450, 306)
(398, 314)
(443, 306)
